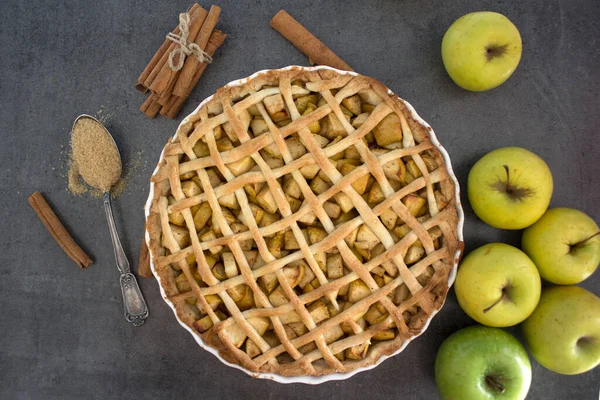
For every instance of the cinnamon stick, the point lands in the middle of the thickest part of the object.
(144, 265)
(146, 103)
(306, 42)
(192, 64)
(175, 107)
(158, 55)
(152, 64)
(164, 98)
(151, 107)
(166, 75)
(165, 109)
(214, 42)
(166, 93)
(58, 231)
(153, 61)
(172, 46)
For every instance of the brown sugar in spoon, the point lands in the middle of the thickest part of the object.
(97, 157)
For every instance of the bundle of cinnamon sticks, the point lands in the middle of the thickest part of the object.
(167, 88)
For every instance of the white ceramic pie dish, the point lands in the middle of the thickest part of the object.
(313, 380)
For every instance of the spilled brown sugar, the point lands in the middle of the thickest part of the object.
(76, 185)
(94, 155)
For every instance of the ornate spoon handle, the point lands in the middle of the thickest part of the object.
(136, 310)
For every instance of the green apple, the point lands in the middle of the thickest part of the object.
(564, 244)
(498, 285)
(510, 188)
(482, 363)
(481, 50)
(563, 333)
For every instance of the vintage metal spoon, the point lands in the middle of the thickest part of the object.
(136, 310)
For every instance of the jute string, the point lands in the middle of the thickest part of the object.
(185, 48)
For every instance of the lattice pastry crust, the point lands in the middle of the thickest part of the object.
(303, 223)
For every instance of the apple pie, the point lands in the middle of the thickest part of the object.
(304, 222)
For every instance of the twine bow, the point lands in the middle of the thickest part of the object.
(185, 48)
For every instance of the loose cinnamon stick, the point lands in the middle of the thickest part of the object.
(198, 11)
(144, 266)
(192, 64)
(306, 42)
(166, 75)
(58, 231)
(214, 42)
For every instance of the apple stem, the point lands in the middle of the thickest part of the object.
(585, 240)
(494, 384)
(514, 192)
(508, 186)
(495, 51)
(494, 304)
(504, 296)
(585, 340)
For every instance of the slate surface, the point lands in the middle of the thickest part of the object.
(62, 330)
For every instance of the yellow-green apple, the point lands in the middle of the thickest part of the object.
(563, 333)
(498, 285)
(510, 188)
(564, 244)
(482, 363)
(481, 50)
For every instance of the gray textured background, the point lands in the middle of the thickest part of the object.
(62, 332)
